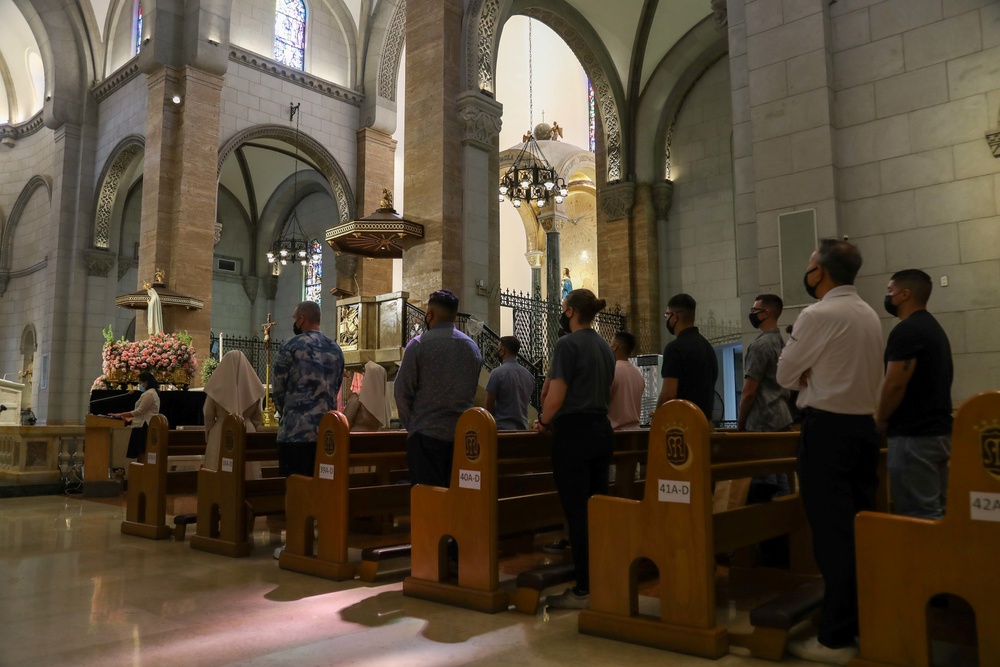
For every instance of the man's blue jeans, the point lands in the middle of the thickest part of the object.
(918, 474)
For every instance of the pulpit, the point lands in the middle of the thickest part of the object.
(10, 398)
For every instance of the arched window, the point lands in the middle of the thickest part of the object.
(592, 117)
(290, 33)
(138, 27)
(314, 272)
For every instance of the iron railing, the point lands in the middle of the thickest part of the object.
(251, 347)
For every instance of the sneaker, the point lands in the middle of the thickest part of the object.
(556, 547)
(811, 649)
(277, 552)
(568, 599)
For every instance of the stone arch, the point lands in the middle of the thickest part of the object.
(483, 25)
(29, 340)
(310, 148)
(7, 238)
(123, 158)
(674, 77)
(385, 52)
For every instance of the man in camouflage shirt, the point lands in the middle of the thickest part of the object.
(305, 383)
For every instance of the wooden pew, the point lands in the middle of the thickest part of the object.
(330, 499)
(674, 527)
(227, 501)
(903, 562)
(150, 480)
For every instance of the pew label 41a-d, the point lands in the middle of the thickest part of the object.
(227, 465)
(469, 479)
(674, 491)
(326, 471)
(984, 506)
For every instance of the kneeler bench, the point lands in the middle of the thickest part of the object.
(773, 620)
(531, 583)
(373, 556)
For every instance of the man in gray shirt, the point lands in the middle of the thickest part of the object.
(435, 384)
(509, 389)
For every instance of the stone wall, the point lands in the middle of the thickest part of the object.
(700, 234)
(119, 115)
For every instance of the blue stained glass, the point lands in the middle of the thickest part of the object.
(314, 272)
(138, 27)
(290, 33)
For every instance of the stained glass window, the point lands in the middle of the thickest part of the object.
(290, 33)
(138, 26)
(314, 272)
(593, 125)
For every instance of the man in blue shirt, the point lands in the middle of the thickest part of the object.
(435, 384)
(509, 390)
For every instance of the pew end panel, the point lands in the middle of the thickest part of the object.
(953, 555)
(146, 505)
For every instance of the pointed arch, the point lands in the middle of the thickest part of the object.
(126, 155)
(383, 56)
(7, 238)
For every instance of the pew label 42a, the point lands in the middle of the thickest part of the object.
(326, 471)
(469, 479)
(674, 491)
(227, 465)
(984, 506)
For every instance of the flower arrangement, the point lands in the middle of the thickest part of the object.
(162, 354)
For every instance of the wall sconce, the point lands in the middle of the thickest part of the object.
(176, 99)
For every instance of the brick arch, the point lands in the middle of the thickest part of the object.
(122, 158)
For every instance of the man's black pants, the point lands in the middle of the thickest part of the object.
(581, 454)
(429, 460)
(296, 458)
(838, 460)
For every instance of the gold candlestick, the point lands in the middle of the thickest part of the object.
(268, 412)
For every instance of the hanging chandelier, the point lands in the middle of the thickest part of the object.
(531, 178)
(292, 245)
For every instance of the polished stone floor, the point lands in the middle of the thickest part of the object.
(75, 591)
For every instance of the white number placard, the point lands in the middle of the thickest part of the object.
(151, 458)
(326, 471)
(227, 465)
(674, 491)
(469, 479)
(984, 506)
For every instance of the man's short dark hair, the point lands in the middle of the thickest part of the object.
(309, 311)
(841, 260)
(625, 341)
(445, 301)
(915, 280)
(511, 344)
(772, 302)
(683, 303)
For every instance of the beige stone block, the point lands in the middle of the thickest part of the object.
(917, 170)
(877, 140)
(809, 71)
(743, 176)
(741, 105)
(974, 74)
(791, 114)
(772, 157)
(784, 42)
(812, 148)
(795, 189)
(926, 246)
(878, 215)
(859, 182)
(945, 40)
(952, 323)
(854, 105)
(955, 7)
(745, 208)
(870, 62)
(739, 74)
(767, 227)
(981, 328)
(872, 254)
(979, 240)
(742, 140)
(989, 17)
(850, 30)
(767, 84)
(949, 124)
(737, 37)
(769, 265)
(763, 15)
(968, 199)
(793, 10)
(974, 373)
(896, 16)
(974, 158)
(912, 90)
(847, 6)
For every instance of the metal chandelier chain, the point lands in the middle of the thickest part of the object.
(531, 84)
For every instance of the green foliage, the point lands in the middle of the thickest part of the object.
(208, 368)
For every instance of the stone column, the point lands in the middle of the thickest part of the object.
(376, 170)
(434, 178)
(614, 247)
(534, 258)
(480, 125)
(179, 192)
(553, 226)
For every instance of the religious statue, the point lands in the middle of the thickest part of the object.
(526, 138)
(266, 328)
(567, 284)
(154, 311)
(557, 132)
(158, 277)
(386, 203)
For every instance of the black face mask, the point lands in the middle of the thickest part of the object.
(671, 327)
(755, 320)
(810, 289)
(890, 307)
(564, 322)
(295, 328)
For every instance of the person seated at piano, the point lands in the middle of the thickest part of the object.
(234, 388)
(147, 406)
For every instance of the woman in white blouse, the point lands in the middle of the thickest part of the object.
(147, 406)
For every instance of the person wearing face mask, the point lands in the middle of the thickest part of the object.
(834, 360)
(306, 378)
(147, 406)
(508, 391)
(690, 367)
(914, 409)
(575, 410)
(435, 384)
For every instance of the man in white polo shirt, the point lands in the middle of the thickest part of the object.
(834, 360)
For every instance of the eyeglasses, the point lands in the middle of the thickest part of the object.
(670, 313)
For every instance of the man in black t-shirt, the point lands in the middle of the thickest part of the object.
(690, 368)
(915, 406)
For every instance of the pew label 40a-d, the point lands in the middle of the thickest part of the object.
(984, 506)
(469, 479)
(674, 491)
(326, 471)
(227, 465)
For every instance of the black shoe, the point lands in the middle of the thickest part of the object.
(556, 547)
